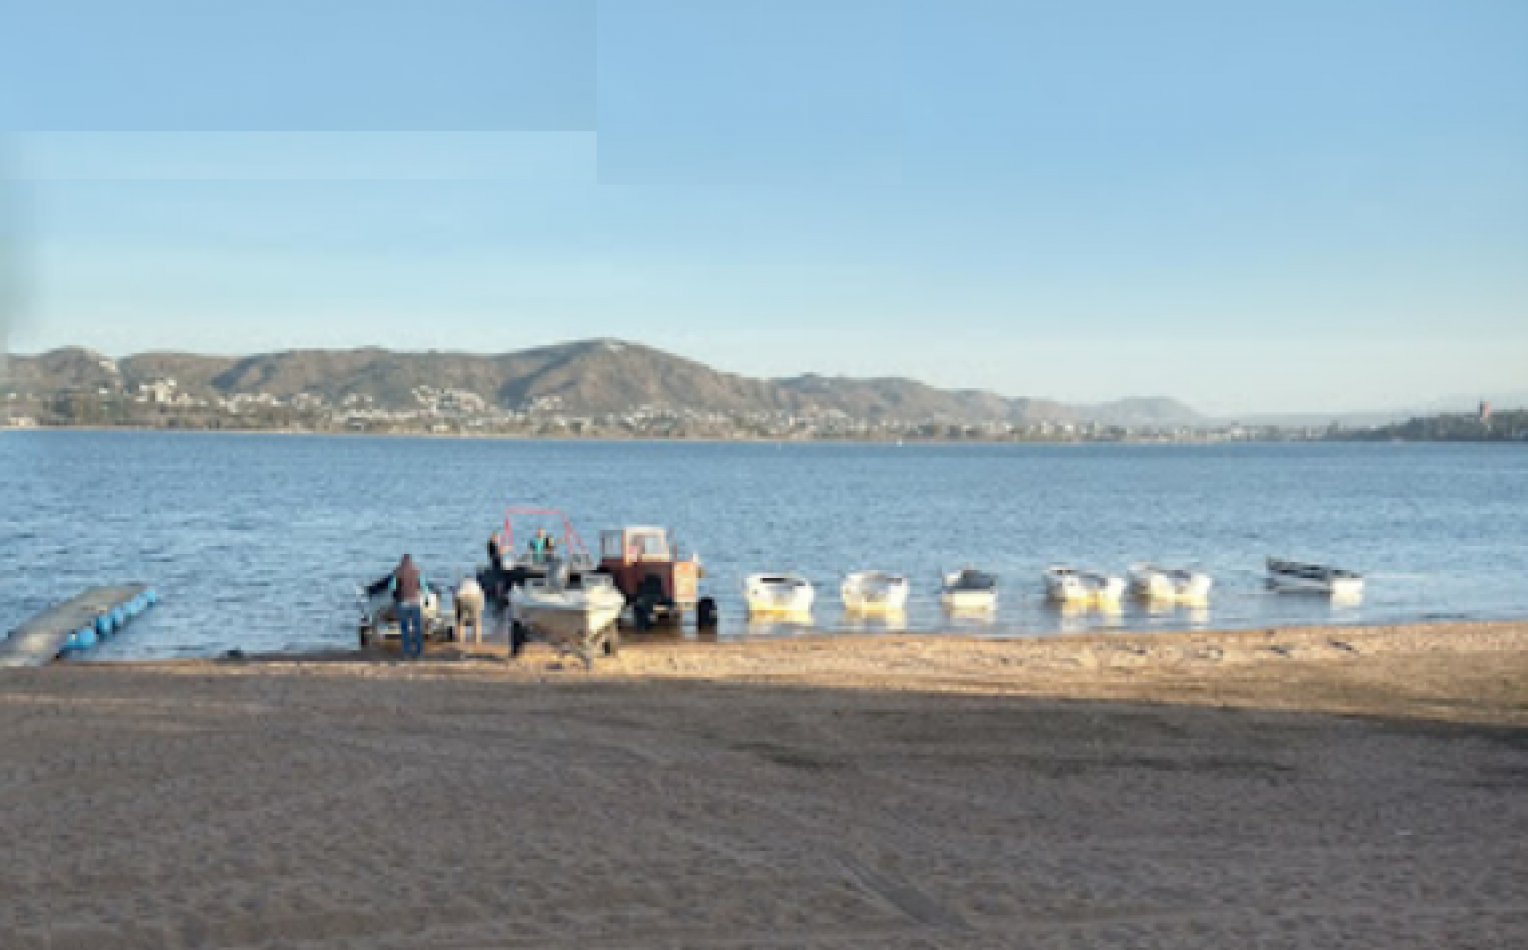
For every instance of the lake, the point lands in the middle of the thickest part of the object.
(258, 541)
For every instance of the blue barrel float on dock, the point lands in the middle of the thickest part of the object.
(76, 625)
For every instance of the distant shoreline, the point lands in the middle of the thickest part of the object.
(547, 437)
(740, 440)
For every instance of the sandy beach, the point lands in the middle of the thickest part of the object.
(1321, 787)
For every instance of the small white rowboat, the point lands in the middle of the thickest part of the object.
(969, 590)
(1153, 582)
(874, 591)
(1069, 585)
(1316, 578)
(778, 594)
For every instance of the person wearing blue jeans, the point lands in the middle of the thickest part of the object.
(408, 595)
(411, 629)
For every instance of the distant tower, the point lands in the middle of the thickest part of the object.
(1485, 411)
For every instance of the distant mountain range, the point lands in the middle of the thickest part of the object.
(591, 377)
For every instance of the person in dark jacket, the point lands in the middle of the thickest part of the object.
(408, 595)
(493, 579)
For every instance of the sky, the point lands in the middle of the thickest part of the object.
(1293, 206)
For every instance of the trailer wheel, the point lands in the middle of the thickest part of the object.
(613, 640)
(705, 614)
(364, 633)
(517, 638)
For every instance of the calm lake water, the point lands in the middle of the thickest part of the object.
(257, 541)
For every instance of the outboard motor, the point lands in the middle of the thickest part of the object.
(557, 574)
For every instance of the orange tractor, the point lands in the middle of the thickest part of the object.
(659, 584)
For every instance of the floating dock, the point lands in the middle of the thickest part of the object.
(76, 625)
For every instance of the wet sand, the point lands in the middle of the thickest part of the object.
(1327, 787)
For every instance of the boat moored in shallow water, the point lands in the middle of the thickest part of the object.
(874, 591)
(1154, 582)
(1070, 585)
(1286, 575)
(786, 593)
(969, 590)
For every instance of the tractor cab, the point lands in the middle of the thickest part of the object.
(659, 584)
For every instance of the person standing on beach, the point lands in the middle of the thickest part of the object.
(408, 594)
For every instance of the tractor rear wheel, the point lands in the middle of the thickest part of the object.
(642, 613)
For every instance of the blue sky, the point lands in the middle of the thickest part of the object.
(1291, 206)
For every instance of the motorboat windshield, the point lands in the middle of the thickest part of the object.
(972, 579)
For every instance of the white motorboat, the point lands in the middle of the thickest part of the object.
(969, 590)
(778, 593)
(874, 592)
(1315, 578)
(1070, 585)
(1154, 582)
(564, 609)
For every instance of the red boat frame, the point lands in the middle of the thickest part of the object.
(570, 539)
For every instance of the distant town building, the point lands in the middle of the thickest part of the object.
(1485, 411)
(159, 392)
